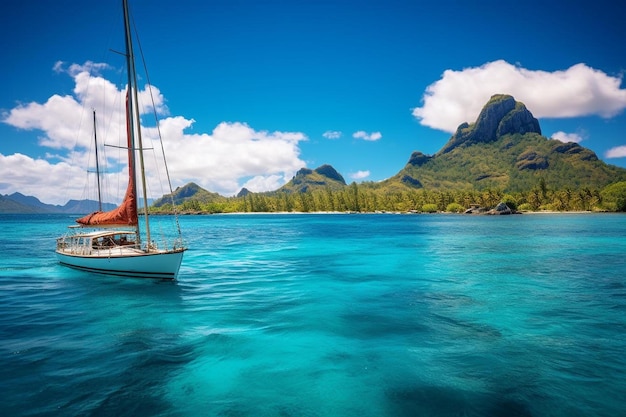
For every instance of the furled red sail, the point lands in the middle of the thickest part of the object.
(126, 213)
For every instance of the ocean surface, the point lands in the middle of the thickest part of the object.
(325, 315)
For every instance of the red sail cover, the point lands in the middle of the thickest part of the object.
(126, 213)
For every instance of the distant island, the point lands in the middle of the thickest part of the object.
(20, 203)
(500, 158)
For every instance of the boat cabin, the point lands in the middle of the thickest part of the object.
(88, 243)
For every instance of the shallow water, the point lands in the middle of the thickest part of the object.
(325, 315)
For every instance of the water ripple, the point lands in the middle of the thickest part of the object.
(326, 316)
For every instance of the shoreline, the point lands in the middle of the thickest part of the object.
(542, 212)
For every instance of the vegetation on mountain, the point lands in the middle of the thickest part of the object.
(504, 150)
(513, 162)
(614, 196)
(367, 198)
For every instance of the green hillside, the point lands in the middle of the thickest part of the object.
(512, 163)
(191, 196)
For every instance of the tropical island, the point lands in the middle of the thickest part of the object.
(500, 158)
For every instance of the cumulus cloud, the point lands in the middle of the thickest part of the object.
(263, 183)
(567, 137)
(617, 152)
(50, 182)
(359, 175)
(224, 160)
(332, 134)
(219, 161)
(577, 91)
(372, 137)
(65, 119)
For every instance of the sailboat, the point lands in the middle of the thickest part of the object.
(115, 245)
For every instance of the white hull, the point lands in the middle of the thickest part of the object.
(129, 263)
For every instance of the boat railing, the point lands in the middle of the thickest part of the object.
(86, 246)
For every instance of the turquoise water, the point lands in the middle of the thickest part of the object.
(325, 315)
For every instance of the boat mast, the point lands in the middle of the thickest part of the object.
(133, 116)
(95, 139)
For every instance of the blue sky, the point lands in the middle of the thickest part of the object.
(251, 91)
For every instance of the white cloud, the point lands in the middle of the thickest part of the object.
(218, 161)
(66, 120)
(52, 183)
(232, 152)
(75, 69)
(617, 152)
(332, 134)
(374, 136)
(567, 137)
(577, 91)
(359, 175)
(263, 183)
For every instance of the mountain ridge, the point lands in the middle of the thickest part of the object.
(20, 203)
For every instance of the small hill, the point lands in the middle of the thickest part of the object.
(189, 192)
(310, 179)
(504, 149)
(84, 206)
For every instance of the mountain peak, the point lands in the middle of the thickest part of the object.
(307, 179)
(329, 172)
(502, 115)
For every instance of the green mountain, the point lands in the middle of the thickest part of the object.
(307, 180)
(504, 149)
(189, 192)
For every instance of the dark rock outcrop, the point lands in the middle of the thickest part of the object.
(572, 148)
(501, 209)
(531, 160)
(408, 180)
(303, 172)
(568, 148)
(418, 159)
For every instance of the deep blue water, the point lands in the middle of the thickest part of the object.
(325, 315)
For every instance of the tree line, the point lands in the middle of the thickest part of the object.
(367, 198)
